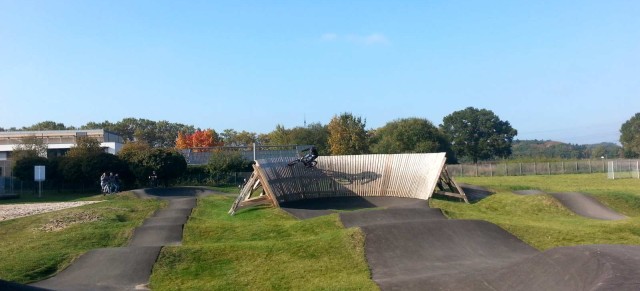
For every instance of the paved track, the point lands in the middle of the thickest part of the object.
(581, 204)
(129, 268)
(587, 206)
(412, 247)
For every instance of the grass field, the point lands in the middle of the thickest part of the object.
(543, 222)
(264, 248)
(36, 247)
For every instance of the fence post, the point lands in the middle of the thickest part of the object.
(254, 151)
(520, 169)
(562, 167)
(590, 171)
(476, 169)
(506, 167)
(549, 167)
(535, 168)
(490, 170)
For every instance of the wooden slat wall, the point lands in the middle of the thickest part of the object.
(401, 175)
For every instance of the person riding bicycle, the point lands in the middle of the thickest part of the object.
(311, 156)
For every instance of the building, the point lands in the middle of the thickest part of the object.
(58, 142)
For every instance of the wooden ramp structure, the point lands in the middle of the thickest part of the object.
(394, 175)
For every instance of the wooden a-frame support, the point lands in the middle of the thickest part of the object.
(449, 187)
(254, 182)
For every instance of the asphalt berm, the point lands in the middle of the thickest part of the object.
(410, 246)
(129, 268)
(581, 204)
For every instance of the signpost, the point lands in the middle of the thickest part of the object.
(39, 176)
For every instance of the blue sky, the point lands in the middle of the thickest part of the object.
(560, 70)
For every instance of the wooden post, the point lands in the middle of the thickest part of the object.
(520, 169)
(563, 167)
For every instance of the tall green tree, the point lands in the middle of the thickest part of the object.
(478, 134)
(630, 136)
(231, 137)
(156, 134)
(168, 164)
(411, 135)
(47, 125)
(280, 136)
(85, 147)
(313, 134)
(347, 135)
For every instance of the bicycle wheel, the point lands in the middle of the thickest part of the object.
(292, 163)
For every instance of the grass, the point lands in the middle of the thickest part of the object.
(262, 248)
(36, 247)
(542, 221)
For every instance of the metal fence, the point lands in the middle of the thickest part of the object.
(534, 168)
(201, 156)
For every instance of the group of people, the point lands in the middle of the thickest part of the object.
(110, 183)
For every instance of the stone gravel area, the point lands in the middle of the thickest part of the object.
(11, 211)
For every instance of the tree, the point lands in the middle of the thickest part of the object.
(23, 168)
(222, 163)
(411, 135)
(199, 139)
(314, 134)
(143, 160)
(47, 125)
(478, 134)
(156, 134)
(630, 136)
(347, 135)
(30, 146)
(85, 147)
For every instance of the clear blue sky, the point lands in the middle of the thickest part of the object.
(560, 70)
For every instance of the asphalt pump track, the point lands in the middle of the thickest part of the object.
(129, 268)
(410, 246)
(581, 204)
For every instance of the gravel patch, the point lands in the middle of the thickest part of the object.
(12, 211)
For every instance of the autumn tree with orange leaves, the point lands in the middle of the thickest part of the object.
(199, 139)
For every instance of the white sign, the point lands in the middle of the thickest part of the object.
(39, 173)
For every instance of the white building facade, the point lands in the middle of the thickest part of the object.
(58, 142)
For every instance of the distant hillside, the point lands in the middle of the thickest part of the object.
(548, 149)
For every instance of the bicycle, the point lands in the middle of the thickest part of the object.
(308, 161)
